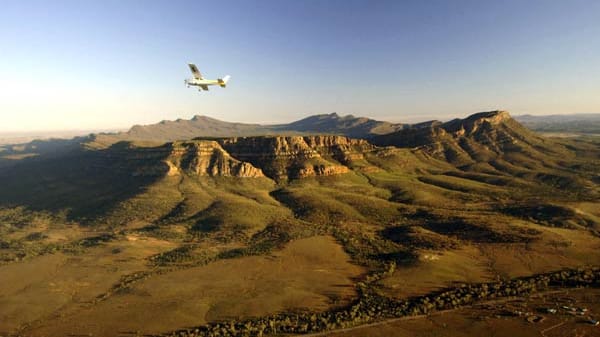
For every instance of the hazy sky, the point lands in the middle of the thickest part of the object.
(102, 64)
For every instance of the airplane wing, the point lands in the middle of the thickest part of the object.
(195, 71)
(205, 87)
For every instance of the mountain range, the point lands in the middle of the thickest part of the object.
(195, 220)
(488, 147)
(333, 123)
(204, 126)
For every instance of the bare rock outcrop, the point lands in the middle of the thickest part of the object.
(278, 157)
(198, 157)
(208, 158)
(292, 157)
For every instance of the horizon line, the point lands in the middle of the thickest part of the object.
(411, 119)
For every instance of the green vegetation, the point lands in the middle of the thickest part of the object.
(470, 201)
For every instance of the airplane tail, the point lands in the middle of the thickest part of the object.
(223, 81)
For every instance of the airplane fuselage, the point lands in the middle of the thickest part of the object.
(198, 83)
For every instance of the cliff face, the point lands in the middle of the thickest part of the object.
(279, 158)
(208, 158)
(202, 158)
(294, 157)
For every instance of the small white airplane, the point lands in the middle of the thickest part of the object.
(202, 83)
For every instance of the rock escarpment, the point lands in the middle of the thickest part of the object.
(208, 158)
(293, 157)
(277, 157)
(199, 157)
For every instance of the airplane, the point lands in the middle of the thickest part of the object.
(202, 83)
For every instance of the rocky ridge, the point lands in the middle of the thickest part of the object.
(207, 158)
(297, 157)
(478, 138)
(277, 157)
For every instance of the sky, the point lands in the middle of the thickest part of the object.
(112, 64)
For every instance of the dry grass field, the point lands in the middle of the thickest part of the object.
(45, 287)
(481, 262)
(313, 273)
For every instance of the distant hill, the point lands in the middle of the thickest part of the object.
(356, 127)
(22, 137)
(203, 126)
(187, 129)
(584, 124)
